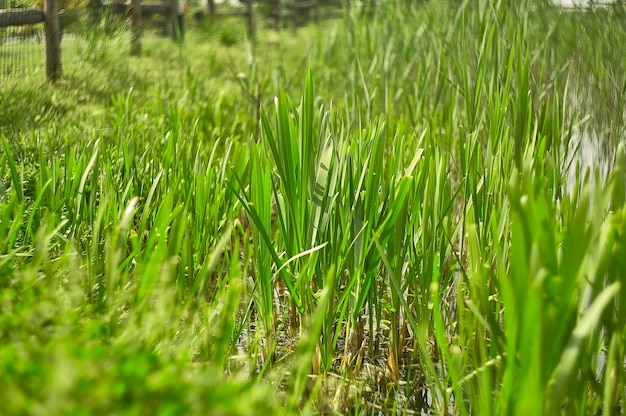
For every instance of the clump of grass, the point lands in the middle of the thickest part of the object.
(405, 236)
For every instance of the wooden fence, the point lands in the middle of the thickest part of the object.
(280, 10)
(295, 12)
(49, 15)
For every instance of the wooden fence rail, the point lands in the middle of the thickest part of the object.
(21, 17)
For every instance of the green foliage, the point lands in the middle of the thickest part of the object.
(399, 216)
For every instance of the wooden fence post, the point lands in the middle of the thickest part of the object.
(53, 39)
(293, 14)
(276, 11)
(250, 16)
(137, 28)
(173, 18)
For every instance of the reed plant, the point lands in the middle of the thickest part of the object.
(399, 218)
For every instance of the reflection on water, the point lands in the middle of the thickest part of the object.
(587, 152)
(582, 3)
(596, 132)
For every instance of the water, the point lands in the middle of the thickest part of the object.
(583, 3)
(204, 3)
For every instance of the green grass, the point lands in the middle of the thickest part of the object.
(387, 213)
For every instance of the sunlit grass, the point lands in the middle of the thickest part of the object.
(381, 214)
